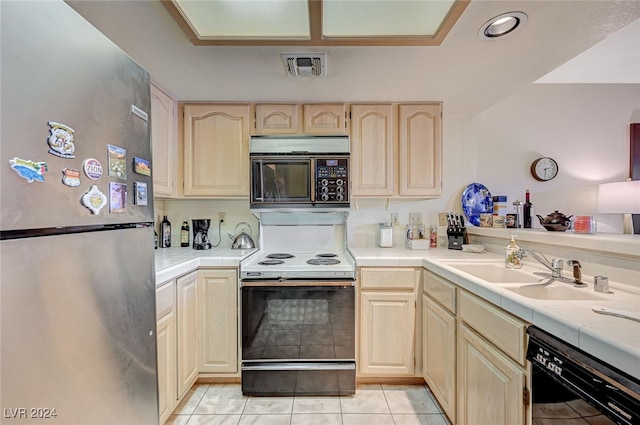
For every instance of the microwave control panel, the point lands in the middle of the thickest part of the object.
(332, 179)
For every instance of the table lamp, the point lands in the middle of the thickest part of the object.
(620, 198)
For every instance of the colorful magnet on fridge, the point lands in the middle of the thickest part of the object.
(117, 161)
(92, 168)
(94, 199)
(117, 197)
(60, 140)
(71, 177)
(29, 170)
(141, 166)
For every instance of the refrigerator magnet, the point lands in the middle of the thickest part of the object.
(29, 170)
(117, 162)
(117, 197)
(60, 140)
(94, 200)
(71, 177)
(140, 190)
(92, 168)
(141, 166)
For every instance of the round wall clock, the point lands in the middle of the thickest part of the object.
(544, 169)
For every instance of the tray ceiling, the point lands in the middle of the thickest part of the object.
(316, 22)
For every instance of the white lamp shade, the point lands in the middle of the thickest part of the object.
(619, 198)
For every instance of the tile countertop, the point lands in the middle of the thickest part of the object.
(614, 340)
(174, 262)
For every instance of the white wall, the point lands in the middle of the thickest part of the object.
(584, 127)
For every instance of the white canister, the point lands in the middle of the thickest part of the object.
(385, 235)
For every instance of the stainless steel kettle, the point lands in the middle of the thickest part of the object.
(241, 240)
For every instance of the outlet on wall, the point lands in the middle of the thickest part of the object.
(222, 217)
(395, 220)
(415, 218)
(442, 219)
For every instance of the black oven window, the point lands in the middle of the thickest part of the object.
(283, 181)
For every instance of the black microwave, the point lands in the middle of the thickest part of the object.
(297, 173)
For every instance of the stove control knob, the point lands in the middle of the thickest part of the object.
(339, 182)
(339, 197)
(340, 189)
(324, 197)
(324, 189)
(324, 182)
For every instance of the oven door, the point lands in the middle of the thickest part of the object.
(298, 339)
(285, 180)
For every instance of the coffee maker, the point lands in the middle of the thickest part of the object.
(201, 233)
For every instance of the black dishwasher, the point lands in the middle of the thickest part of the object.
(570, 386)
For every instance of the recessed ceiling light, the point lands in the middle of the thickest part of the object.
(502, 25)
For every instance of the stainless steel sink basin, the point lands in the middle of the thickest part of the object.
(556, 291)
(495, 272)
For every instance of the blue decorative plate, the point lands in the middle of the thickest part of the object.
(476, 200)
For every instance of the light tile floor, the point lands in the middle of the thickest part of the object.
(224, 404)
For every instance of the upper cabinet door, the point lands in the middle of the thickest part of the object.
(164, 142)
(323, 118)
(373, 141)
(216, 150)
(273, 118)
(420, 150)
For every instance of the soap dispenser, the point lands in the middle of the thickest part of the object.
(511, 259)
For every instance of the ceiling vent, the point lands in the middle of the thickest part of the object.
(305, 64)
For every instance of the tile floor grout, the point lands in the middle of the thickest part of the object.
(403, 405)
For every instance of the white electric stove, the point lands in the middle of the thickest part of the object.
(300, 245)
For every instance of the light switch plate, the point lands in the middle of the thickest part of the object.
(395, 221)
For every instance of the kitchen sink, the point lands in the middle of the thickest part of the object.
(495, 272)
(556, 291)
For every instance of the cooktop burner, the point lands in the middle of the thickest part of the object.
(320, 261)
(272, 262)
(281, 255)
(326, 255)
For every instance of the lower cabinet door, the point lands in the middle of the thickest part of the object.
(387, 333)
(490, 385)
(218, 321)
(167, 350)
(439, 354)
(187, 334)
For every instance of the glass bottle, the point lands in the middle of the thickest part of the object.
(165, 233)
(527, 212)
(184, 234)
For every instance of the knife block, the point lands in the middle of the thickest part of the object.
(456, 239)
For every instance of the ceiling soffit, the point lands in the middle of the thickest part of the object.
(312, 35)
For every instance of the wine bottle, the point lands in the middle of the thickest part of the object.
(165, 233)
(184, 234)
(527, 212)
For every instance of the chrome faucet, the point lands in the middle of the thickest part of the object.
(555, 265)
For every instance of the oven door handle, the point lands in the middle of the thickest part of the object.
(299, 366)
(301, 283)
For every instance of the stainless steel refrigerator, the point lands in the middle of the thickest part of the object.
(77, 288)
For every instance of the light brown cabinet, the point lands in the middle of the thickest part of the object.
(439, 353)
(187, 331)
(490, 384)
(473, 356)
(166, 341)
(373, 150)
(218, 319)
(216, 150)
(396, 150)
(420, 150)
(387, 321)
(164, 142)
(310, 119)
